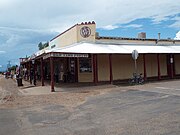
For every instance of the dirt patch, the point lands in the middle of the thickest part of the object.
(69, 99)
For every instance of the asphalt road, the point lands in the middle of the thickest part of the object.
(151, 110)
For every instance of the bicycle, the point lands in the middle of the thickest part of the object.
(136, 79)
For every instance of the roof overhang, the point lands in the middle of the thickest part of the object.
(83, 49)
(103, 48)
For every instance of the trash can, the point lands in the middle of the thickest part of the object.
(19, 81)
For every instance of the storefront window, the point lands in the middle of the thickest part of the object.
(85, 65)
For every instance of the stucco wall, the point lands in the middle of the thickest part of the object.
(177, 63)
(122, 66)
(125, 41)
(140, 64)
(85, 77)
(91, 38)
(163, 64)
(151, 65)
(73, 36)
(67, 38)
(103, 67)
(165, 42)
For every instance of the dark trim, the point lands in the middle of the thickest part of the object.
(52, 73)
(172, 66)
(35, 71)
(42, 72)
(142, 39)
(30, 74)
(76, 69)
(95, 69)
(110, 69)
(174, 69)
(144, 64)
(159, 69)
(64, 32)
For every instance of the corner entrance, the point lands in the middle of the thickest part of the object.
(71, 71)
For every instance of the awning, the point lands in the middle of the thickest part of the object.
(104, 48)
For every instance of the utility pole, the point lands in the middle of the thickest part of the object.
(9, 64)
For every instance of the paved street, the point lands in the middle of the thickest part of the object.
(151, 109)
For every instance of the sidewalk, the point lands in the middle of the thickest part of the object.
(29, 89)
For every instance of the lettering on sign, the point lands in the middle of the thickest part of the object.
(65, 55)
(53, 46)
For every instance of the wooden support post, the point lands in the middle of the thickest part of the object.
(52, 73)
(110, 69)
(95, 70)
(30, 72)
(174, 70)
(144, 62)
(42, 72)
(159, 69)
(171, 66)
(76, 69)
(35, 68)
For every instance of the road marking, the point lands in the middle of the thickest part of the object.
(165, 88)
(165, 96)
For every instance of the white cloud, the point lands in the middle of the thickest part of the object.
(2, 52)
(177, 22)
(110, 27)
(177, 36)
(133, 26)
(50, 15)
(18, 43)
(27, 22)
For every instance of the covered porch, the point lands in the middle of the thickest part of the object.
(96, 63)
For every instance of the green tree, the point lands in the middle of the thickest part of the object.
(40, 45)
(46, 44)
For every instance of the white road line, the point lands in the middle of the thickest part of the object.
(165, 88)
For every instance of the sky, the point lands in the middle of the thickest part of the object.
(25, 23)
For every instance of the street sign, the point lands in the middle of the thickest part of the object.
(135, 54)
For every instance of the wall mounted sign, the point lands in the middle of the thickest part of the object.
(135, 54)
(85, 32)
(65, 55)
(53, 46)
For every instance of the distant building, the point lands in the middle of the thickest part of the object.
(80, 54)
(142, 35)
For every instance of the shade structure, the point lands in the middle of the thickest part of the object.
(105, 48)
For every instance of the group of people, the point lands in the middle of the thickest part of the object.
(25, 74)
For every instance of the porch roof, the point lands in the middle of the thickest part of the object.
(108, 48)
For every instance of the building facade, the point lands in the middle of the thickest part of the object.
(79, 54)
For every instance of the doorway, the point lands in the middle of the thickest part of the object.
(71, 74)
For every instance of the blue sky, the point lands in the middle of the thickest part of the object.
(25, 23)
(132, 29)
